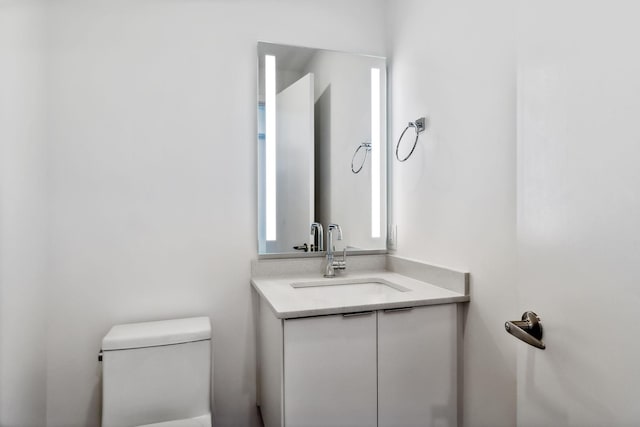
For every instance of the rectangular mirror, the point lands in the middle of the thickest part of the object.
(322, 148)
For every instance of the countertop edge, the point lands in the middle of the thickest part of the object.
(296, 314)
(262, 295)
(368, 307)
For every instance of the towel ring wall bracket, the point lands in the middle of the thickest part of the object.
(419, 125)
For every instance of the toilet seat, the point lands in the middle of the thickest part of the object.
(202, 421)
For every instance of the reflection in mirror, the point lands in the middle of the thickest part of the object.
(321, 148)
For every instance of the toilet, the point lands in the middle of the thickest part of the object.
(157, 374)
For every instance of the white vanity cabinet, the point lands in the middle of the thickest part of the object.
(378, 368)
(330, 371)
(417, 367)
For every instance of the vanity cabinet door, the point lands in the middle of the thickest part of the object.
(417, 367)
(330, 371)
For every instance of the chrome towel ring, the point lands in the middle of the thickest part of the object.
(419, 126)
(367, 148)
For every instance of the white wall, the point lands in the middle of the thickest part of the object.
(454, 200)
(153, 180)
(22, 215)
(154, 175)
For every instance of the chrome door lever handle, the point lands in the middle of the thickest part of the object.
(529, 329)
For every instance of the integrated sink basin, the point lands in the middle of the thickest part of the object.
(351, 287)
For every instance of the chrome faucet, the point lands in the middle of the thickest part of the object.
(332, 264)
(318, 237)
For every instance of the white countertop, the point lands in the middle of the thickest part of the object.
(289, 302)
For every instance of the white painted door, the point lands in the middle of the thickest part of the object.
(579, 211)
(417, 367)
(294, 165)
(330, 371)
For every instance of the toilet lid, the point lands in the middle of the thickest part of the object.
(153, 334)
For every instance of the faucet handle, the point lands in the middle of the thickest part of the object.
(303, 247)
(341, 264)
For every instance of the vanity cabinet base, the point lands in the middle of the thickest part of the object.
(417, 367)
(395, 368)
(330, 371)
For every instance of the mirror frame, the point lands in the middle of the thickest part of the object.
(386, 197)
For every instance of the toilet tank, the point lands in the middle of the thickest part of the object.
(156, 371)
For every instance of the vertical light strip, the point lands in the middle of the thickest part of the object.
(270, 144)
(375, 152)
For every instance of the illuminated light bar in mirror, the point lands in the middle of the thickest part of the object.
(375, 152)
(270, 145)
